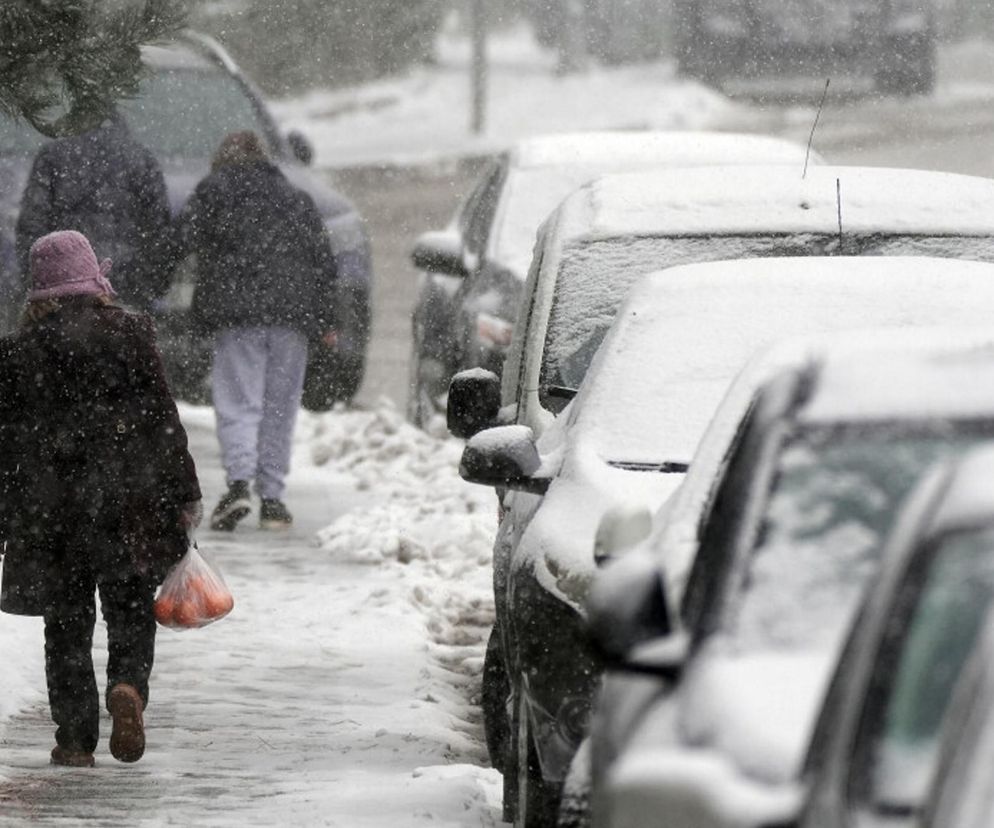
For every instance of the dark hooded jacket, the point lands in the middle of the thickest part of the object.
(93, 457)
(110, 188)
(263, 254)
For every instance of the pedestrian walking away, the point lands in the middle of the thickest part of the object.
(97, 490)
(266, 283)
(109, 187)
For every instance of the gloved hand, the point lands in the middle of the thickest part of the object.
(191, 514)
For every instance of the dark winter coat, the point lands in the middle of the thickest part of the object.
(93, 457)
(110, 188)
(263, 253)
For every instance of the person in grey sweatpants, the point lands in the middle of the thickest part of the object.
(266, 280)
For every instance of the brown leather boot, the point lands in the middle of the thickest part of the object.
(127, 739)
(72, 757)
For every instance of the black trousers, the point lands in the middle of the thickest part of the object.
(127, 607)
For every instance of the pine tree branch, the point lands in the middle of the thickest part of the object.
(72, 57)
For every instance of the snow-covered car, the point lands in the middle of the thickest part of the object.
(612, 232)
(876, 749)
(473, 272)
(790, 538)
(624, 442)
(192, 97)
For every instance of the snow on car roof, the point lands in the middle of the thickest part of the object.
(759, 199)
(545, 170)
(175, 56)
(623, 149)
(889, 386)
(684, 333)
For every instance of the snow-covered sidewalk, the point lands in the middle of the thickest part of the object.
(340, 690)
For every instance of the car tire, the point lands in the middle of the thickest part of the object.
(496, 690)
(537, 801)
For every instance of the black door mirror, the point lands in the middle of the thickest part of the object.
(474, 402)
(503, 456)
(627, 608)
(300, 147)
(439, 252)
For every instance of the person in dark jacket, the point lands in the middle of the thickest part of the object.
(266, 282)
(97, 490)
(109, 187)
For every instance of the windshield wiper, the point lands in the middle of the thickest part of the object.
(667, 467)
(560, 392)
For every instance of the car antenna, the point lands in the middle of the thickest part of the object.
(811, 138)
(838, 203)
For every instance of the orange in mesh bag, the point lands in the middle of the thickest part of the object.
(194, 594)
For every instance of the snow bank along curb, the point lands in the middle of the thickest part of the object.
(430, 527)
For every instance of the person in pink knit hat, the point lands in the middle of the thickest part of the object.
(97, 490)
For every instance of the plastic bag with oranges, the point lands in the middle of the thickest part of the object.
(193, 595)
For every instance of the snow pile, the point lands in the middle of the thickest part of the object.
(424, 116)
(435, 530)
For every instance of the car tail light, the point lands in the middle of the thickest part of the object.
(493, 331)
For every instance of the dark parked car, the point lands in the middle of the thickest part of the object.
(893, 42)
(193, 96)
(792, 535)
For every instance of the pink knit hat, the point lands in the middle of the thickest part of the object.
(64, 264)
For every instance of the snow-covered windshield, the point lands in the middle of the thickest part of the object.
(937, 638)
(530, 195)
(594, 278)
(834, 497)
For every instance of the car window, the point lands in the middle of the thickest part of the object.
(722, 523)
(595, 276)
(184, 113)
(819, 538)
(937, 620)
(480, 217)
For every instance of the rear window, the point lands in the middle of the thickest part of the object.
(594, 278)
(184, 113)
(181, 113)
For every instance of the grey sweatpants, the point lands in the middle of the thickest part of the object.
(258, 380)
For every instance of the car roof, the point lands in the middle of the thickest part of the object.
(177, 55)
(626, 148)
(683, 334)
(760, 199)
(939, 383)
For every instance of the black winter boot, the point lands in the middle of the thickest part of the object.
(234, 506)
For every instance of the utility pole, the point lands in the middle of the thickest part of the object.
(479, 66)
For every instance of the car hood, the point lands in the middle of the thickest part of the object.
(758, 710)
(558, 544)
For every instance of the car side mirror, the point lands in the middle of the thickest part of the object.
(474, 402)
(628, 609)
(621, 528)
(301, 148)
(439, 252)
(503, 456)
